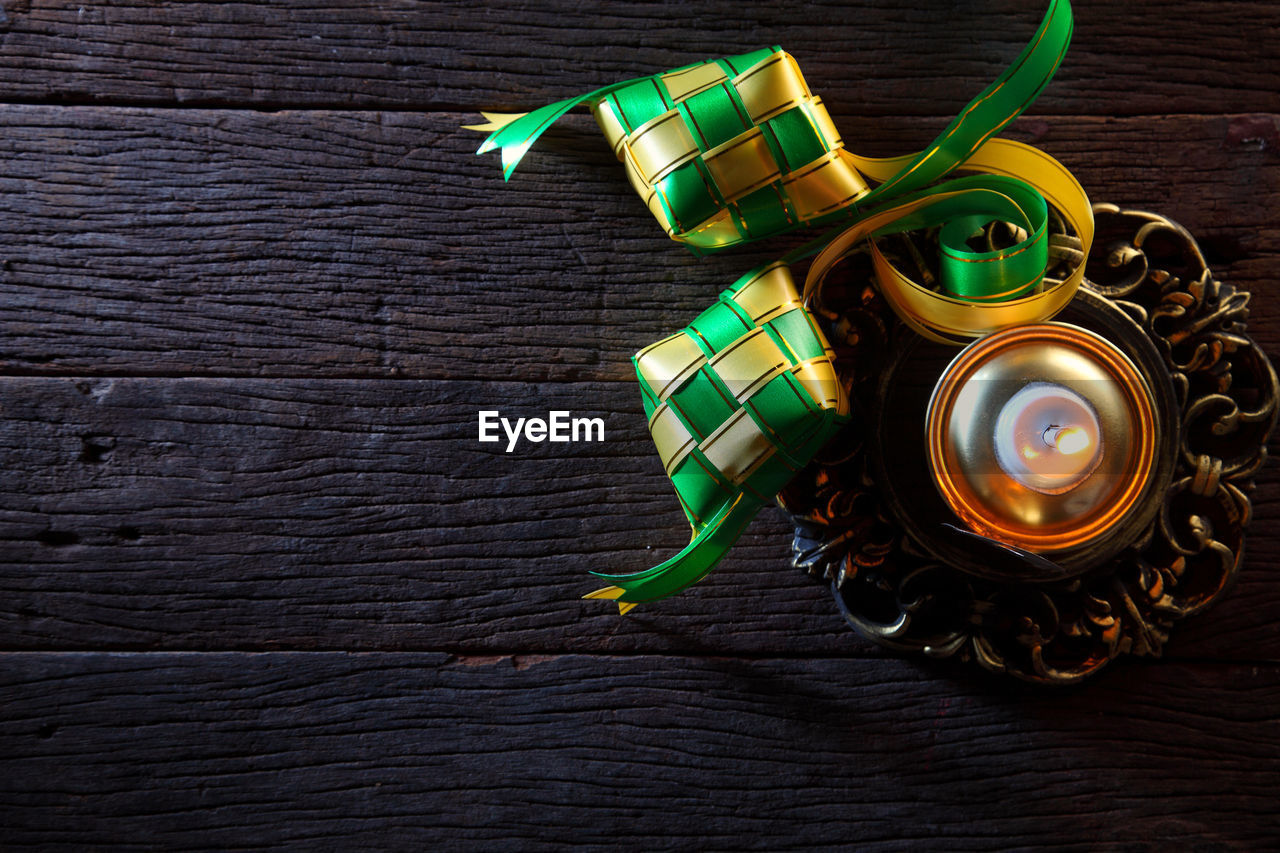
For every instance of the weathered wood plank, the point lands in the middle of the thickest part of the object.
(351, 514)
(393, 286)
(876, 56)
(414, 751)
(209, 242)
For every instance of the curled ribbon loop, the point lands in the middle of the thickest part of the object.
(985, 291)
(738, 402)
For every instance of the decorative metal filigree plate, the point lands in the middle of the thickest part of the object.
(869, 521)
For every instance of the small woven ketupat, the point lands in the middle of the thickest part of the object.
(730, 150)
(722, 151)
(738, 402)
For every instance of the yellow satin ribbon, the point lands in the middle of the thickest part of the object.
(943, 318)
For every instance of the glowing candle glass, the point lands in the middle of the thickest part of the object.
(1042, 436)
(1048, 438)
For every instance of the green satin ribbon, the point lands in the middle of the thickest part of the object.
(991, 111)
(963, 206)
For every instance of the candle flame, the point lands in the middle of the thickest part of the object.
(1071, 440)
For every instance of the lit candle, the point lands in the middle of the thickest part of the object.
(1041, 436)
(1047, 438)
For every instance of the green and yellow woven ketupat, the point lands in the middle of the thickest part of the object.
(732, 150)
(738, 402)
(722, 151)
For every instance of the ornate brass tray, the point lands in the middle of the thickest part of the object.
(907, 573)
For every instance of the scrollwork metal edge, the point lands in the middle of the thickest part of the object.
(893, 592)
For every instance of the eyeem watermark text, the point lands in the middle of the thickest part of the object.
(558, 427)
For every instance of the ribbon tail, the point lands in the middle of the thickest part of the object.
(691, 565)
(987, 114)
(613, 593)
(515, 133)
(494, 121)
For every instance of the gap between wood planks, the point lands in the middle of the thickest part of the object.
(484, 656)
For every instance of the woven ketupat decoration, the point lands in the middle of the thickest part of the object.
(730, 150)
(738, 402)
(722, 151)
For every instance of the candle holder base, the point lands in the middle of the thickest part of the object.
(907, 574)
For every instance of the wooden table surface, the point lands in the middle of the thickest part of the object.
(261, 586)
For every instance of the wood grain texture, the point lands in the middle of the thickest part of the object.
(428, 751)
(875, 57)
(214, 242)
(207, 514)
(260, 586)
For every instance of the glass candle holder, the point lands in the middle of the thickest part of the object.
(1041, 436)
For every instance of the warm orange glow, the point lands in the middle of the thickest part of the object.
(995, 506)
(1071, 440)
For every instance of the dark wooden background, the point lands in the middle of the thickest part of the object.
(259, 583)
